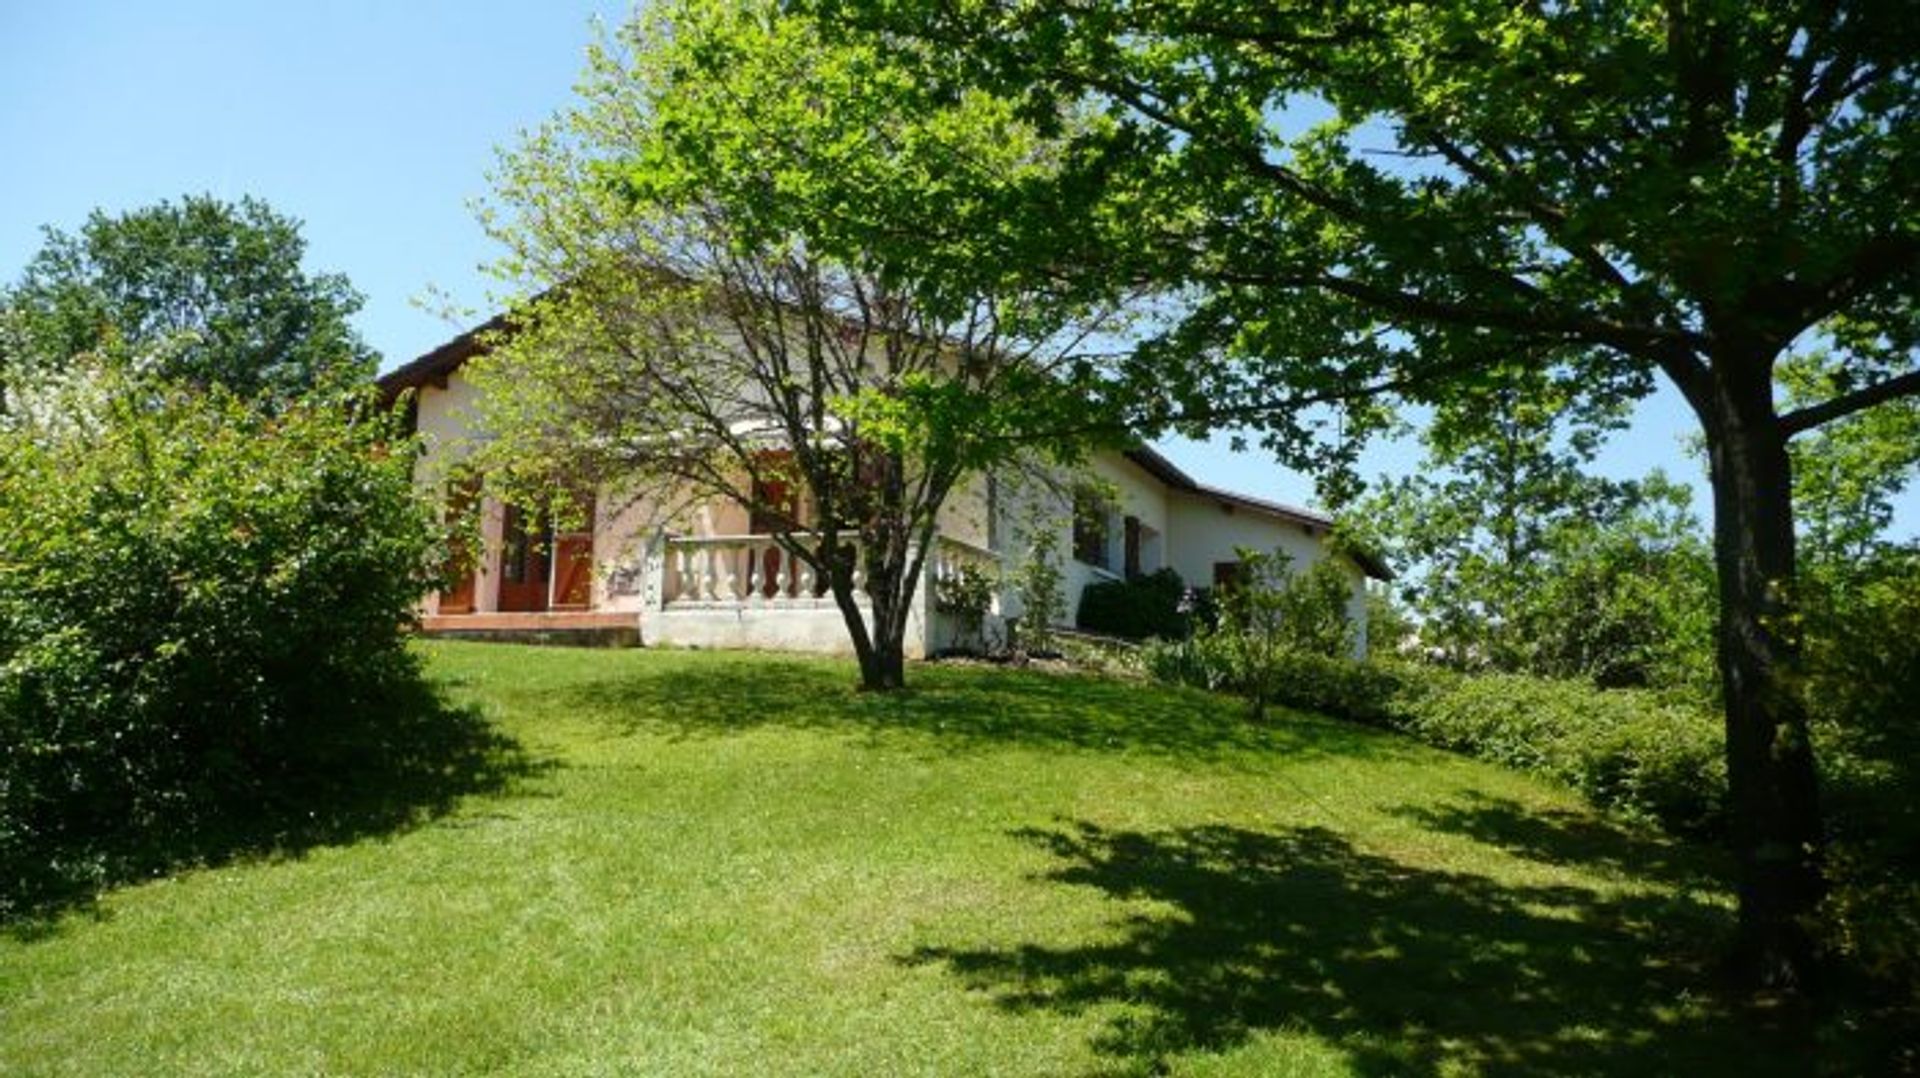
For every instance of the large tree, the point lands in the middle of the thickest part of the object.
(199, 291)
(1383, 194)
(734, 288)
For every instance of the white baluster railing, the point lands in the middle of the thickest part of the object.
(755, 571)
(736, 570)
(952, 556)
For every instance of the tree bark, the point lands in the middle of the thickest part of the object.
(1775, 827)
(884, 667)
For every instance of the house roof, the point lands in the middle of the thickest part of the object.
(435, 366)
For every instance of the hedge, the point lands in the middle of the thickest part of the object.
(1628, 751)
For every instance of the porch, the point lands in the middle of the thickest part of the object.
(740, 591)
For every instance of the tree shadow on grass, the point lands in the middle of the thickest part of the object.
(966, 709)
(1407, 970)
(383, 769)
(1567, 837)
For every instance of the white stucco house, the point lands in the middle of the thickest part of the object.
(713, 578)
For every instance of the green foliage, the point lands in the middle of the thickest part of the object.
(967, 594)
(1863, 675)
(717, 269)
(1624, 750)
(1391, 629)
(201, 291)
(1514, 559)
(1628, 751)
(1624, 602)
(201, 619)
(1847, 474)
(1266, 623)
(1597, 192)
(1146, 606)
(1366, 201)
(1301, 611)
(1038, 582)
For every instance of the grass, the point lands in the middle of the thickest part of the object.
(732, 864)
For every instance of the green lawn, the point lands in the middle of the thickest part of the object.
(727, 864)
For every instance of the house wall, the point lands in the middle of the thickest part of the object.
(964, 514)
(1207, 530)
(444, 422)
(1135, 493)
(1185, 531)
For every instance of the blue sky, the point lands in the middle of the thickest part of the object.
(375, 124)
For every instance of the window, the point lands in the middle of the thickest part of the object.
(1228, 574)
(1132, 556)
(1090, 530)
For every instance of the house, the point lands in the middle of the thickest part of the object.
(712, 576)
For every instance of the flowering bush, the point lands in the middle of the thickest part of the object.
(201, 618)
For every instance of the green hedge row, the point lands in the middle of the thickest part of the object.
(1626, 750)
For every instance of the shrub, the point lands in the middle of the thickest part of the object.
(1037, 581)
(1863, 675)
(1137, 609)
(967, 595)
(1625, 750)
(1628, 751)
(201, 619)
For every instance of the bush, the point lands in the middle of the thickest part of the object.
(1037, 584)
(967, 595)
(1863, 675)
(1627, 751)
(1138, 609)
(201, 620)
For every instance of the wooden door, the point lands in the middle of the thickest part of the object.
(526, 561)
(573, 561)
(463, 510)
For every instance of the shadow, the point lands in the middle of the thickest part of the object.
(1406, 970)
(1565, 837)
(960, 709)
(398, 759)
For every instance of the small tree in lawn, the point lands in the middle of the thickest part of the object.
(720, 303)
(1273, 611)
(1037, 580)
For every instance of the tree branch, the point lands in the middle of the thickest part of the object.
(1905, 385)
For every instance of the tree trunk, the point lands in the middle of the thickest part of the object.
(884, 668)
(1773, 797)
(868, 645)
(887, 670)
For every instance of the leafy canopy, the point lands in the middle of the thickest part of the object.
(1425, 198)
(200, 291)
